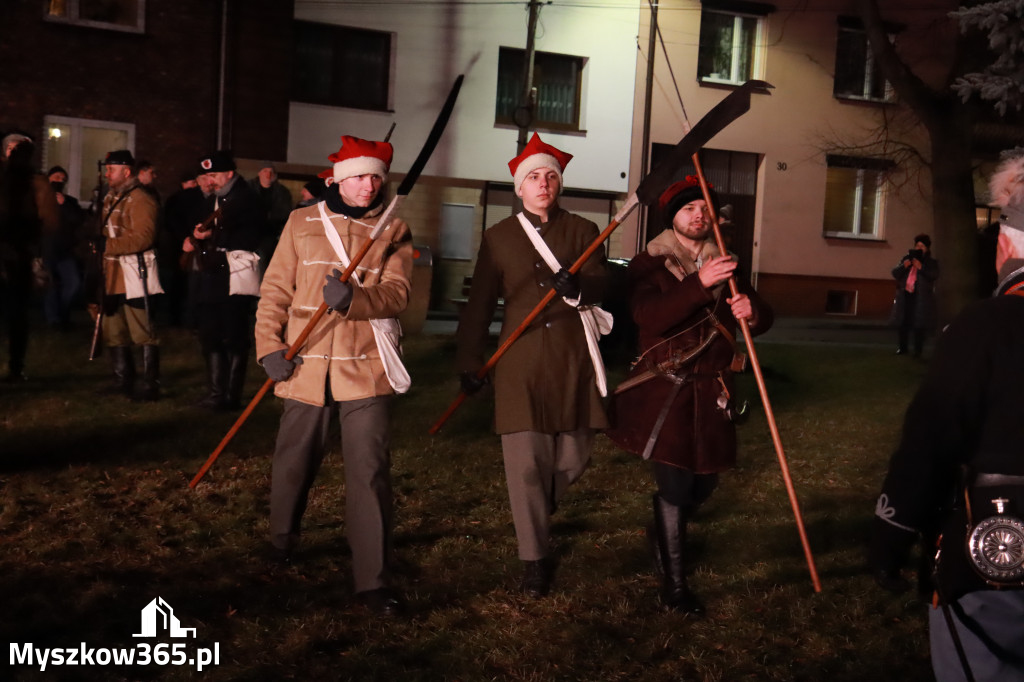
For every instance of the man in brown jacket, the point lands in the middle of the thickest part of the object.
(129, 227)
(547, 403)
(350, 362)
(681, 418)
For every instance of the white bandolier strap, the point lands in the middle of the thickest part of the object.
(596, 321)
(387, 332)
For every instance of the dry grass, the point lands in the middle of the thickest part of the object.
(96, 519)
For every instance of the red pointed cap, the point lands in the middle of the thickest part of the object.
(538, 154)
(361, 157)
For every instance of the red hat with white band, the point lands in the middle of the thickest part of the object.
(537, 154)
(361, 157)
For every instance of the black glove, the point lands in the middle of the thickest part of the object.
(277, 366)
(566, 284)
(888, 551)
(471, 383)
(337, 294)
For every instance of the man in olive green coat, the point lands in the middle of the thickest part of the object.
(547, 398)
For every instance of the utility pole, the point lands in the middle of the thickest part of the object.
(523, 115)
(645, 161)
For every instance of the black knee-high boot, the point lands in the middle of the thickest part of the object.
(237, 364)
(670, 530)
(123, 364)
(150, 373)
(217, 381)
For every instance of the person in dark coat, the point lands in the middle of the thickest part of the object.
(914, 305)
(958, 473)
(228, 280)
(59, 253)
(547, 400)
(28, 215)
(678, 405)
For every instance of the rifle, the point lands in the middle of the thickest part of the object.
(95, 241)
(187, 256)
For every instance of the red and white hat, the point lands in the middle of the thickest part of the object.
(537, 154)
(361, 157)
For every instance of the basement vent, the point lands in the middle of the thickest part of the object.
(839, 302)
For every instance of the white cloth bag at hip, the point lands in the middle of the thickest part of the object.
(243, 273)
(132, 265)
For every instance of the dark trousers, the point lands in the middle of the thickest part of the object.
(682, 488)
(365, 443)
(15, 295)
(907, 325)
(224, 325)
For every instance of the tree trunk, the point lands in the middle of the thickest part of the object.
(956, 234)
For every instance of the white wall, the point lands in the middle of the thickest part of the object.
(436, 42)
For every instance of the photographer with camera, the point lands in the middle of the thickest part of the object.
(914, 304)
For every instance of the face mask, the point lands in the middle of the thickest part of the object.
(57, 186)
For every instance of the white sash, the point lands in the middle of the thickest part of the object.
(243, 273)
(387, 332)
(596, 321)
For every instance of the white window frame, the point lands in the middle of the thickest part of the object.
(876, 231)
(869, 68)
(75, 165)
(73, 12)
(757, 61)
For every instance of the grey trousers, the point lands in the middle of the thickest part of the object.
(365, 442)
(539, 468)
(1000, 616)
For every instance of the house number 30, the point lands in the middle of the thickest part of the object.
(781, 165)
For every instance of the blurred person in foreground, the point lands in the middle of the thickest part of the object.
(958, 474)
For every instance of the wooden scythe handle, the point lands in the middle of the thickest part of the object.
(293, 350)
(761, 387)
(548, 297)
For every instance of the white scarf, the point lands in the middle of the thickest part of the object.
(387, 332)
(596, 322)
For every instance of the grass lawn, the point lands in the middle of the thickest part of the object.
(96, 520)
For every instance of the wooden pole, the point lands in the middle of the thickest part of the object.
(293, 350)
(548, 297)
(761, 387)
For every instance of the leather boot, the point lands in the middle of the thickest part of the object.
(217, 380)
(123, 365)
(237, 363)
(536, 578)
(670, 527)
(150, 373)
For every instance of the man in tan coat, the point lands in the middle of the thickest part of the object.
(350, 362)
(547, 400)
(129, 227)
